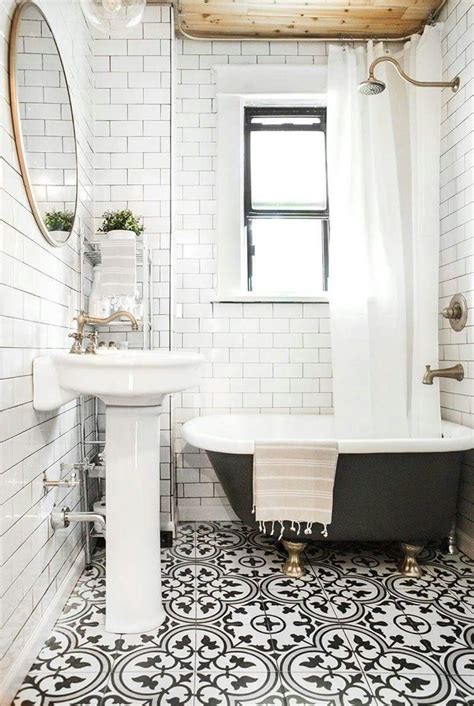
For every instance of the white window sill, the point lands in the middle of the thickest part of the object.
(255, 298)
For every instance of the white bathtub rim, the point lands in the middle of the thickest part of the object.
(207, 433)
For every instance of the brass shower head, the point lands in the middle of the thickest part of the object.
(372, 86)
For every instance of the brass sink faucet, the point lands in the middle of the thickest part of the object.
(85, 319)
(456, 372)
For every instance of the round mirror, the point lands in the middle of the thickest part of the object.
(43, 123)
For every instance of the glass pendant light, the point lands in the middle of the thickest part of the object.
(106, 15)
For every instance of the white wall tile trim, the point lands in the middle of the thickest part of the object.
(268, 80)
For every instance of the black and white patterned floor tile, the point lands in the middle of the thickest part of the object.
(237, 632)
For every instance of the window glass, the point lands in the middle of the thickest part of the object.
(288, 255)
(288, 170)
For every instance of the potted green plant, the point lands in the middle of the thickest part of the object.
(121, 224)
(59, 223)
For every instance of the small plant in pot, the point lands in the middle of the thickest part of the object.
(121, 224)
(59, 223)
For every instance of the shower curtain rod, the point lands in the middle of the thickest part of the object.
(176, 5)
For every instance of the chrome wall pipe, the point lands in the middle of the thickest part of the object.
(72, 483)
(62, 517)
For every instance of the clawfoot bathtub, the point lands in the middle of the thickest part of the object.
(386, 489)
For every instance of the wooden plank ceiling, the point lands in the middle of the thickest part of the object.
(303, 18)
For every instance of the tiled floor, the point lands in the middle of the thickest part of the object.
(237, 631)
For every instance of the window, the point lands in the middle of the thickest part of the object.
(286, 214)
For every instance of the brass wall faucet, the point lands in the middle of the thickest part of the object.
(456, 372)
(85, 319)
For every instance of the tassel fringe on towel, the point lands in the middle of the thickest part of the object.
(309, 527)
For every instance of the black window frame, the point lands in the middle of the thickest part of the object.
(251, 213)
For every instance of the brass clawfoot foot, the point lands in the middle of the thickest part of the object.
(409, 565)
(293, 566)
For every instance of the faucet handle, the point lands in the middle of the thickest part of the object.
(91, 346)
(456, 312)
(451, 312)
(77, 345)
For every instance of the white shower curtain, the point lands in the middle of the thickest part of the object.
(383, 172)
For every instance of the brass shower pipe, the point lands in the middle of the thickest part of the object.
(454, 84)
(177, 8)
(373, 86)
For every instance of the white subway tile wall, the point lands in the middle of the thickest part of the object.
(38, 297)
(457, 237)
(132, 79)
(261, 357)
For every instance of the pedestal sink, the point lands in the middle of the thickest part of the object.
(133, 385)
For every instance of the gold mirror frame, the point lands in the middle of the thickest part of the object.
(17, 131)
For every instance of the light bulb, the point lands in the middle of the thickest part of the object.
(112, 6)
(105, 15)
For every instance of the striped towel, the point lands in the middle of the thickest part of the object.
(119, 271)
(294, 483)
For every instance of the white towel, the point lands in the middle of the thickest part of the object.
(119, 267)
(294, 483)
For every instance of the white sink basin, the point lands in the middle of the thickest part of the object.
(133, 385)
(125, 378)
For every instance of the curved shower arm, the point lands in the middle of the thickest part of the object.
(454, 84)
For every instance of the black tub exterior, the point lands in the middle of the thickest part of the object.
(408, 497)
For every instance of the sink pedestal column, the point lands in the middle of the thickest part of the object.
(133, 577)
